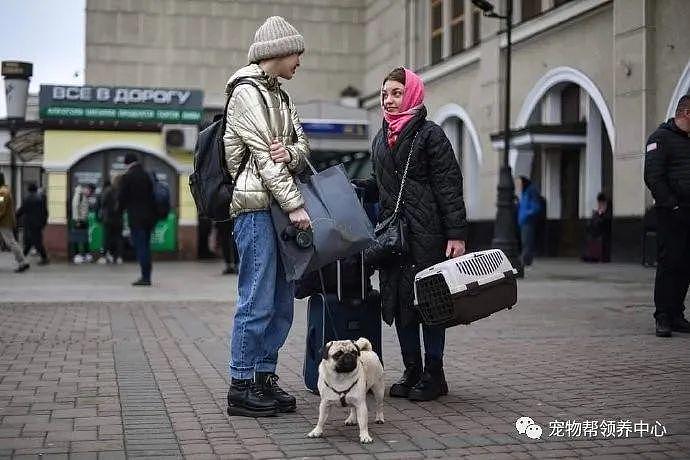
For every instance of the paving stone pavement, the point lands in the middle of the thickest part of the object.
(93, 368)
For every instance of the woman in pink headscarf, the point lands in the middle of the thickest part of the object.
(433, 207)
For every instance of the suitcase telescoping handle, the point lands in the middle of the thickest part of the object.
(362, 274)
(339, 278)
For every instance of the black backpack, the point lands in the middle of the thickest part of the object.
(161, 197)
(211, 183)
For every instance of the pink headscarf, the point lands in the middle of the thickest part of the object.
(413, 98)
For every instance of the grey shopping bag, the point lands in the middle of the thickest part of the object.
(340, 225)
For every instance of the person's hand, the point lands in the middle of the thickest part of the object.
(279, 153)
(455, 248)
(300, 219)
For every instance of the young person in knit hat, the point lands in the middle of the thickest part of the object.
(265, 148)
(432, 205)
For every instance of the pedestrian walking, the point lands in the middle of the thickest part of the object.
(667, 175)
(81, 205)
(598, 233)
(432, 205)
(529, 208)
(34, 214)
(262, 122)
(227, 246)
(7, 224)
(135, 195)
(110, 215)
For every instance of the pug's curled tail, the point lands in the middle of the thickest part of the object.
(363, 344)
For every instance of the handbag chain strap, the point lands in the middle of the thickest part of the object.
(404, 178)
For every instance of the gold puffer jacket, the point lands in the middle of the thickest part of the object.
(250, 124)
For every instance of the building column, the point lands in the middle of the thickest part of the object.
(633, 107)
(551, 176)
(592, 156)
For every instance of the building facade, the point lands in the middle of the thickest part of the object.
(590, 80)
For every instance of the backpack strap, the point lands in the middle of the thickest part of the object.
(238, 82)
(241, 81)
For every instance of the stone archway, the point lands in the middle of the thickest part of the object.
(601, 132)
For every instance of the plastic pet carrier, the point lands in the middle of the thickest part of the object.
(465, 289)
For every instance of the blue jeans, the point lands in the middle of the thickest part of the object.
(528, 234)
(434, 340)
(265, 303)
(141, 240)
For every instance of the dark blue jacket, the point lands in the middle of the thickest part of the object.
(530, 205)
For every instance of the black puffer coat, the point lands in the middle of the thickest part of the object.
(667, 166)
(432, 203)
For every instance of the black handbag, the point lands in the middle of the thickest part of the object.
(390, 235)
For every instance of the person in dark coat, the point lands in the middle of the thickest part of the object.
(529, 209)
(7, 224)
(227, 246)
(34, 212)
(135, 196)
(598, 233)
(110, 214)
(432, 204)
(667, 175)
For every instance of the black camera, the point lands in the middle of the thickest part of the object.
(304, 239)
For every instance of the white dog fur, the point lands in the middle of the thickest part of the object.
(368, 374)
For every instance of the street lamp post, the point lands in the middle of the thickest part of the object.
(505, 227)
(17, 75)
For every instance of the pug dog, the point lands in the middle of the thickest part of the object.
(348, 370)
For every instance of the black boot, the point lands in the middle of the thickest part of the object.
(268, 384)
(247, 400)
(412, 374)
(432, 384)
(680, 324)
(663, 327)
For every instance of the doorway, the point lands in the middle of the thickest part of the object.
(569, 243)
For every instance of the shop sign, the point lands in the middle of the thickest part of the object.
(155, 105)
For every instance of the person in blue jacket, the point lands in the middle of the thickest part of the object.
(528, 214)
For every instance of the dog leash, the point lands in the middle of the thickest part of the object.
(342, 394)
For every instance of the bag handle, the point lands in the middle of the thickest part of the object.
(404, 178)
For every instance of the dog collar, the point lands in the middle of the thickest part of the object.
(342, 394)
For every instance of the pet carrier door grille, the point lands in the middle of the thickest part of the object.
(482, 265)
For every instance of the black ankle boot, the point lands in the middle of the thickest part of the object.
(412, 374)
(432, 384)
(268, 383)
(247, 400)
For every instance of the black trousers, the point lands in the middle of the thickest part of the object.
(227, 242)
(33, 236)
(673, 269)
(113, 242)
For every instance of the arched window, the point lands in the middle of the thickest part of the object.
(463, 136)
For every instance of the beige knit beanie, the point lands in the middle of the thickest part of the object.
(275, 38)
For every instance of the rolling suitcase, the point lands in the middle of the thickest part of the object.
(340, 316)
(465, 289)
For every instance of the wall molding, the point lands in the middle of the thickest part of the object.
(65, 166)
